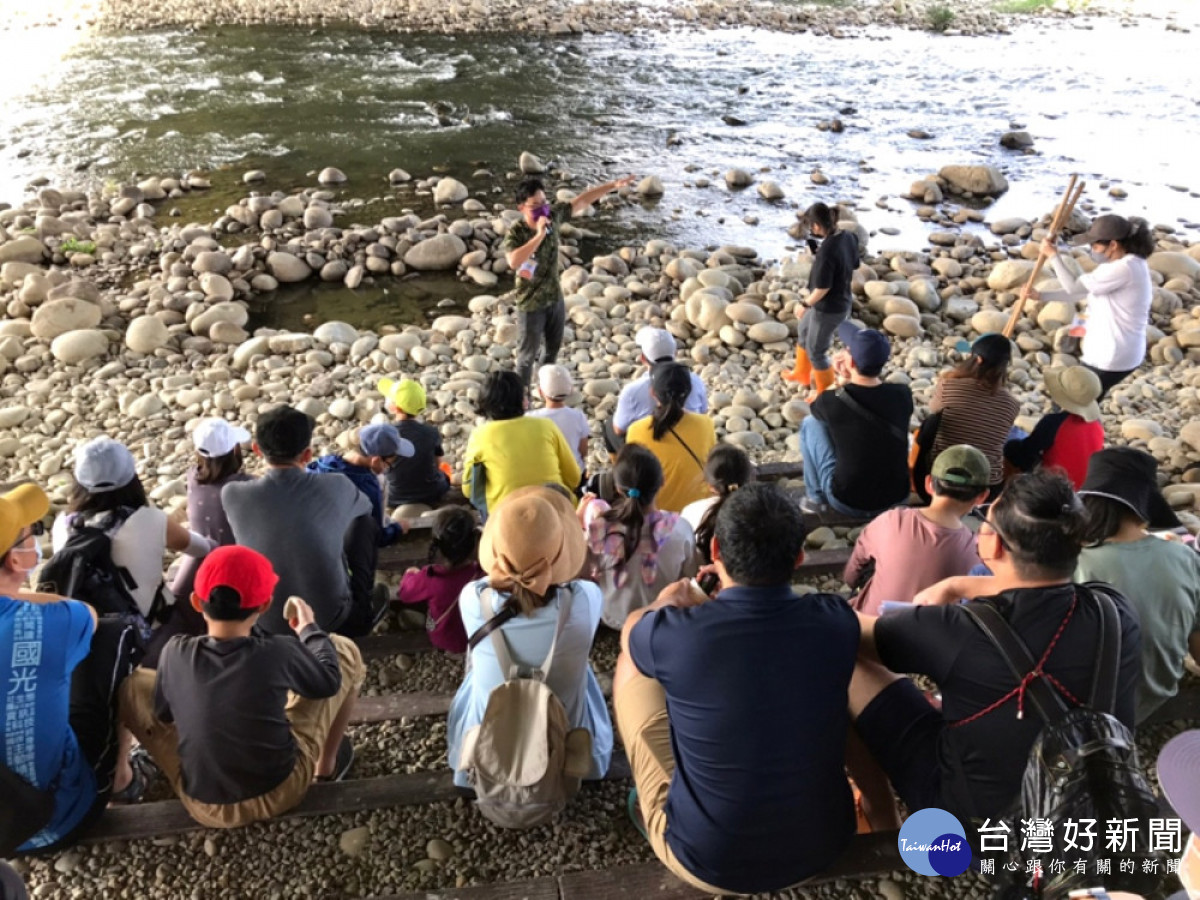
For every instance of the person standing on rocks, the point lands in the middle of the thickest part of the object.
(531, 249)
(1118, 294)
(828, 302)
(739, 776)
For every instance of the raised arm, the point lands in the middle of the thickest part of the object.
(592, 194)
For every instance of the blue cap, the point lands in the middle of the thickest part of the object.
(384, 440)
(868, 348)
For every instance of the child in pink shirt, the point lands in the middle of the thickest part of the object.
(454, 563)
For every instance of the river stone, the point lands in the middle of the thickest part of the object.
(216, 287)
(354, 277)
(923, 292)
(12, 416)
(530, 164)
(353, 842)
(450, 190)
(767, 332)
(1190, 434)
(1140, 429)
(439, 850)
(651, 186)
(216, 261)
(770, 190)
(1009, 274)
(219, 312)
(450, 325)
(1054, 314)
(738, 178)
(601, 387)
(422, 356)
(398, 176)
(390, 343)
(78, 346)
(989, 321)
(707, 311)
(902, 326)
(336, 333)
(901, 306)
(1188, 338)
(746, 313)
(748, 440)
(146, 334)
(287, 268)
(440, 252)
(482, 277)
(980, 180)
(247, 350)
(317, 217)
(24, 249)
(330, 175)
(270, 220)
(292, 207)
(57, 317)
(145, 406)
(1173, 264)
(1010, 225)
(342, 408)
(227, 333)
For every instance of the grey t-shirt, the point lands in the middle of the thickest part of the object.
(228, 698)
(298, 520)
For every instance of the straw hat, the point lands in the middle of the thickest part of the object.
(533, 539)
(1075, 389)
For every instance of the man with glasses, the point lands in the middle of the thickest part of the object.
(969, 756)
(531, 250)
(60, 669)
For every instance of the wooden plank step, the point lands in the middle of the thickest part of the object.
(391, 707)
(531, 889)
(1184, 705)
(374, 646)
(166, 817)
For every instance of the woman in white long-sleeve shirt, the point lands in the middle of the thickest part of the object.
(1118, 294)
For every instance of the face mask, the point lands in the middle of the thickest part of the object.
(1097, 256)
(541, 212)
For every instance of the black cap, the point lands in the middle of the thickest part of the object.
(283, 432)
(1129, 476)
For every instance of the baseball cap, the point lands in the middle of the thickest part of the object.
(868, 348)
(216, 437)
(20, 508)
(1109, 227)
(656, 344)
(555, 382)
(244, 570)
(406, 395)
(962, 466)
(283, 432)
(103, 464)
(384, 440)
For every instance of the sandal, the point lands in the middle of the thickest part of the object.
(144, 772)
(635, 813)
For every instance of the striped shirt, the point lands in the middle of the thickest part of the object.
(973, 414)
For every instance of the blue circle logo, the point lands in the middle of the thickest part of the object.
(933, 842)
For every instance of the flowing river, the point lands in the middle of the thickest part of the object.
(1119, 105)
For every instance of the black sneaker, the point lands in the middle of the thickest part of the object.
(381, 600)
(343, 764)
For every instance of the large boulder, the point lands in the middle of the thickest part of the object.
(286, 268)
(79, 346)
(146, 334)
(336, 333)
(981, 180)
(220, 312)
(449, 190)
(317, 216)
(530, 164)
(989, 321)
(1009, 274)
(57, 317)
(331, 175)
(1173, 264)
(217, 261)
(24, 249)
(768, 332)
(440, 252)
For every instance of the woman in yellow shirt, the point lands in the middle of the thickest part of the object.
(681, 440)
(514, 449)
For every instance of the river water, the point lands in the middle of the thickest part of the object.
(1116, 104)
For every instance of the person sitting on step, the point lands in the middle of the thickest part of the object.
(635, 401)
(1066, 438)
(241, 722)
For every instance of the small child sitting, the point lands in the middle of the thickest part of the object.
(241, 722)
(555, 386)
(635, 549)
(453, 564)
(423, 477)
(1066, 438)
(906, 549)
(727, 469)
(380, 447)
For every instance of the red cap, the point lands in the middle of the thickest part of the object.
(246, 571)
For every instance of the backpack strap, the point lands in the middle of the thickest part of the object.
(491, 624)
(1030, 679)
(1104, 680)
(542, 673)
(900, 434)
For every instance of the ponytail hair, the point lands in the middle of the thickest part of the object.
(455, 537)
(638, 476)
(672, 384)
(727, 469)
(1140, 241)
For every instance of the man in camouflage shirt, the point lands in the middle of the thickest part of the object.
(531, 248)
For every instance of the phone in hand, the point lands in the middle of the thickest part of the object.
(708, 583)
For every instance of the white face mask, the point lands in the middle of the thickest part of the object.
(1097, 256)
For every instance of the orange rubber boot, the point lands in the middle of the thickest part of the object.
(822, 380)
(802, 373)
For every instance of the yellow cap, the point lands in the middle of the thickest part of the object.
(406, 395)
(20, 508)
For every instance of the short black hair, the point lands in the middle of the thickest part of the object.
(502, 396)
(527, 187)
(283, 434)
(760, 533)
(1043, 523)
(224, 604)
(959, 492)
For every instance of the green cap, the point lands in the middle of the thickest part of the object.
(962, 466)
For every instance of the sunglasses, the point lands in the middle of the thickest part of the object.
(980, 514)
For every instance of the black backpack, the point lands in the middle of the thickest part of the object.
(1083, 766)
(84, 569)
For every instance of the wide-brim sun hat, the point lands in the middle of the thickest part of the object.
(1076, 389)
(533, 539)
(1129, 476)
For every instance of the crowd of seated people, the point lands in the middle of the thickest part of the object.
(269, 612)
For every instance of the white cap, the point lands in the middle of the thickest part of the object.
(103, 464)
(656, 344)
(216, 437)
(555, 382)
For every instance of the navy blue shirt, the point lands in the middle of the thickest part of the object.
(756, 686)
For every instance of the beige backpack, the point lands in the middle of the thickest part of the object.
(524, 760)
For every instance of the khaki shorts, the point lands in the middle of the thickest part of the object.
(641, 710)
(311, 722)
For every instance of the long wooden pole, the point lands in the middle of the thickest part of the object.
(1060, 218)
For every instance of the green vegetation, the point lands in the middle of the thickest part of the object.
(74, 245)
(1031, 6)
(939, 17)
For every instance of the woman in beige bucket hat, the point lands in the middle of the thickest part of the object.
(1067, 437)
